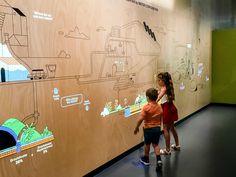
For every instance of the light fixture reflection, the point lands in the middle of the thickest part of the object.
(169, 4)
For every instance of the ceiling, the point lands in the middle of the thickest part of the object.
(223, 14)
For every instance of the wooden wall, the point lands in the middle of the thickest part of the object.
(83, 55)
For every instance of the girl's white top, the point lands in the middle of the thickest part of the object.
(162, 95)
(164, 99)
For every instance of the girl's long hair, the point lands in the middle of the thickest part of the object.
(166, 78)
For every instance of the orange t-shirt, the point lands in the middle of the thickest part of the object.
(151, 115)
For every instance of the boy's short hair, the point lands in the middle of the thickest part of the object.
(152, 94)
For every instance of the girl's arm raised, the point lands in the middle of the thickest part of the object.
(161, 94)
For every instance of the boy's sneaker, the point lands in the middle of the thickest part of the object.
(159, 165)
(144, 160)
(174, 147)
(165, 152)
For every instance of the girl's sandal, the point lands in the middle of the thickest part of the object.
(174, 147)
(165, 152)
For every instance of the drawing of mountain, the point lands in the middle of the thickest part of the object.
(76, 34)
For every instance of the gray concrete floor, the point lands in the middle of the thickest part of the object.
(208, 149)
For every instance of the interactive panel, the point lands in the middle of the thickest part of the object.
(74, 75)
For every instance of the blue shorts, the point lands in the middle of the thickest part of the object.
(152, 135)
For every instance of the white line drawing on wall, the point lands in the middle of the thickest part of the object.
(124, 60)
(186, 70)
(117, 62)
(117, 48)
(14, 33)
(71, 100)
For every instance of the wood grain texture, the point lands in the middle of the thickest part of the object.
(97, 52)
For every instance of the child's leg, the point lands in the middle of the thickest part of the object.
(145, 159)
(167, 136)
(156, 149)
(146, 150)
(175, 135)
(158, 157)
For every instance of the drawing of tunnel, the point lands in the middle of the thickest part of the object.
(17, 136)
(10, 134)
(8, 138)
(15, 133)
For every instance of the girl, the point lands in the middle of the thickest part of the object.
(167, 96)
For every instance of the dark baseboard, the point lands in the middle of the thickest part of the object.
(223, 104)
(187, 117)
(116, 159)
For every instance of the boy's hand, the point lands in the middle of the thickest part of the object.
(136, 130)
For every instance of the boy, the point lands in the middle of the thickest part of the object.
(151, 115)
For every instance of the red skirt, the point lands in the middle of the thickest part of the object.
(170, 113)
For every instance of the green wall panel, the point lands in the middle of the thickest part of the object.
(224, 66)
